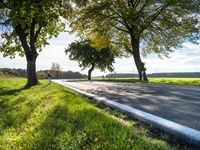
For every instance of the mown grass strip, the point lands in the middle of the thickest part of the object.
(52, 117)
(169, 81)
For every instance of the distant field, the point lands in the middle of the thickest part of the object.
(53, 117)
(171, 81)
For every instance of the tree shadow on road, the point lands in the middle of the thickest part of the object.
(164, 101)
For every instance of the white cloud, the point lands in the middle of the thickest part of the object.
(183, 60)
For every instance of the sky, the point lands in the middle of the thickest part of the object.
(186, 59)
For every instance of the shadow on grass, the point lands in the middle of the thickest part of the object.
(62, 129)
(46, 85)
(83, 129)
(54, 125)
(5, 91)
(12, 116)
(11, 113)
(7, 103)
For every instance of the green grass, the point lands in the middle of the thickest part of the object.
(171, 81)
(53, 117)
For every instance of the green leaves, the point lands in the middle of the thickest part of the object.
(39, 20)
(10, 44)
(160, 25)
(86, 55)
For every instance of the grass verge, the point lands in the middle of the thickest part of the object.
(53, 117)
(169, 81)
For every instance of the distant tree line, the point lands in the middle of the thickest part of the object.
(13, 72)
(42, 74)
(157, 75)
(177, 75)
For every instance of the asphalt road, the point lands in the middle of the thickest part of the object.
(175, 103)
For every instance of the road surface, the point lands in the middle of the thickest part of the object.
(175, 103)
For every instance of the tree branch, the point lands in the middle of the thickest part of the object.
(113, 18)
(32, 36)
(131, 2)
(23, 40)
(144, 5)
(154, 16)
(1, 1)
(136, 3)
(37, 33)
(125, 23)
(118, 28)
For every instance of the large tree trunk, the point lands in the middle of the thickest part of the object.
(31, 71)
(90, 72)
(136, 55)
(30, 52)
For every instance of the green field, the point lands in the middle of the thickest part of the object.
(53, 117)
(171, 81)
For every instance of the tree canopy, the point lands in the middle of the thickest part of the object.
(26, 25)
(140, 26)
(88, 56)
(37, 20)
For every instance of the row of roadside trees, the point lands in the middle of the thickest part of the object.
(123, 27)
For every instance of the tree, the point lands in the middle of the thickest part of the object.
(26, 26)
(88, 56)
(56, 70)
(140, 26)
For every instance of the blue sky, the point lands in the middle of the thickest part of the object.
(186, 59)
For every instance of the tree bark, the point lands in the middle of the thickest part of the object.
(30, 53)
(90, 72)
(31, 71)
(138, 62)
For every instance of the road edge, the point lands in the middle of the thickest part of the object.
(183, 132)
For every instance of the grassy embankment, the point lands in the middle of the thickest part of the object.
(53, 117)
(170, 81)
